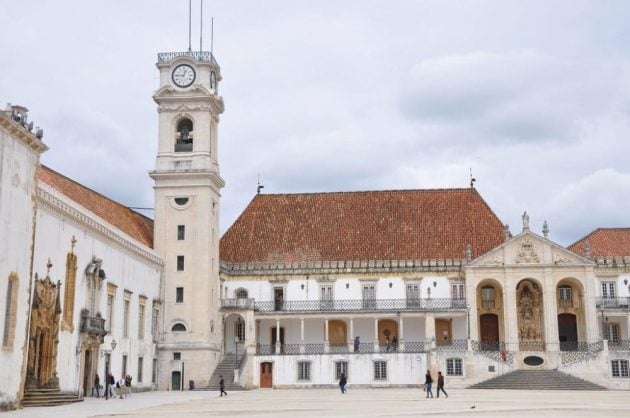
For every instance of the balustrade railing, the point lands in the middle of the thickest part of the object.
(290, 349)
(93, 325)
(619, 345)
(237, 303)
(612, 303)
(414, 347)
(314, 348)
(201, 56)
(584, 351)
(531, 345)
(573, 346)
(265, 349)
(338, 349)
(452, 345)
(495, 350)
(429, 304)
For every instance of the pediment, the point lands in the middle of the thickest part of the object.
(529, 249)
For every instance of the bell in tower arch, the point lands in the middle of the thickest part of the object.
(184, 136)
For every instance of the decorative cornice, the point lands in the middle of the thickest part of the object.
(58, 203)
(17, 131)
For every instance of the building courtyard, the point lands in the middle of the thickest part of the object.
(355, 403)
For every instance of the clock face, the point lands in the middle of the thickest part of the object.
(213, 80)
(183, 75)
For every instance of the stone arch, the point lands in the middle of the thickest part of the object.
(490, 314)
(571, 315)
(387, 328)
(235, 326)
(179, 327)
(530, 314)
(184, 130)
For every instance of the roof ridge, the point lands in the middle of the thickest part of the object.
(443, 189)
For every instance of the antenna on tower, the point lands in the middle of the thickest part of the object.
(189, 25)
(259, 187)
(472, 179)
(201, 28)
(212, 37)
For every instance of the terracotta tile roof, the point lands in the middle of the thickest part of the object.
(605, 242)
(373, 225)
(127, 220)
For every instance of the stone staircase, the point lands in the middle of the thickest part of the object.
(48, 397)
(226, 369)
(537, 380)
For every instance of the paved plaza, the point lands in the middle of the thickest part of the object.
(356, 403)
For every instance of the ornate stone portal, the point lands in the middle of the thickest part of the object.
(530, 314)
(43, 334)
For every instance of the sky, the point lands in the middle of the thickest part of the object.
(341, 95)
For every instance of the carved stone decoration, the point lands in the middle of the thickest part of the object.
(560, 259)
(530, 315)
(527, 253)
(94, 275)
(495, 260)
(43, 334)
(68, 299)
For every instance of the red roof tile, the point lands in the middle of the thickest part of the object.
(605, 242)
(375, 225)
(127, 220)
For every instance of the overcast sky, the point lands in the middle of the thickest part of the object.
(346, 95)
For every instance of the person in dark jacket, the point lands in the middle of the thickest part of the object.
(428, 382)
(97, 384)
(441, 385)
(109, 381)
(342, 383)
(222, 386)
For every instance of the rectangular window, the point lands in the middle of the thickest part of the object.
(141, 320)
(369, 296)
(140, 368)
(126, 314)
(181, 232)
(608, 289)
(487, 297)
(326, 297)
(154, 321)
(304, 370)
(565, 293)
(611, 331)
(239, 329)
(380, 370)
(457, 291)
(110, 312)
(7, 314)
(177, 355)
(154, 371)
(180, 263)
(619, 368)
(454, 367)
(341, 367)
(179, 295)
(124, 365)
(412, 294)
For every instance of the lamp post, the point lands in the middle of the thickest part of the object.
(236, 341)
(468, 321)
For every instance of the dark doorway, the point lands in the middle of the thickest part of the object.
(567, 332)
(87, 378)
(278, 298)
(266, 375)
(176, 380)
(489, 332)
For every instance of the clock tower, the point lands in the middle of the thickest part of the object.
(186, 226)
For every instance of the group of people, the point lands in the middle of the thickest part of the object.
(122, 386)
(428, 384)
(389, 345)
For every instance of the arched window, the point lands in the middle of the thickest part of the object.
(454, 367)
(178, 327)
(184, 136)
(241, 293)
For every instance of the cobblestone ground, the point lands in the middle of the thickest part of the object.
(319, 403)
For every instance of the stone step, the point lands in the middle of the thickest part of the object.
(48, 397)
(537, 380)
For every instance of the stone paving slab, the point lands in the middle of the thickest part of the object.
(318, 403)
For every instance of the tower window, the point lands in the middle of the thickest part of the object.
(184, 136)
(181, 232)
(179, 295)
(181, 201)
(180, 263)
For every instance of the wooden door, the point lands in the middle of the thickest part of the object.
(567, 331)
(87, 376)
(443, 332)
(337, 334)
(266, 375)
(176, 381)
(489, 330)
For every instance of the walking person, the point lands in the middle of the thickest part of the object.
(428, 382)
(127, 386)
(342, 383)
(441, 385)
(222, 386)
(97, 384)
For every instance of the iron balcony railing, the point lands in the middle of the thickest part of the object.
(613, 303)
(619, 345)
(584, 351)
(452, 345)
(433, 304)
(532, 345)
(199, 56)
(93, 325)
(573, 346)
(414, 347)
(320, 348)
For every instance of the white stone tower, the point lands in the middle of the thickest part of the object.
(186, 231)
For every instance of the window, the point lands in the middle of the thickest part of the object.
(181, 201)
(619, 368)
(180, 263)
(326, 296)
(126, 314)
(380, 370)
(179, 295)
(412, 294)
(608, 289)
(341, 367)
(124, 364)
(141, 318)
(457, 291)
(611, 331)
(487, 297)
(178, 327)
(241, 293)
(181, 232)
(369, 296)
(177, 355)
(110, 312)
(10, 312)
(154, 320)
(565, 296)
(304, 370)
(184, 136)
(454, 367)
(239, 329)
(140, 367)
(154, 371)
